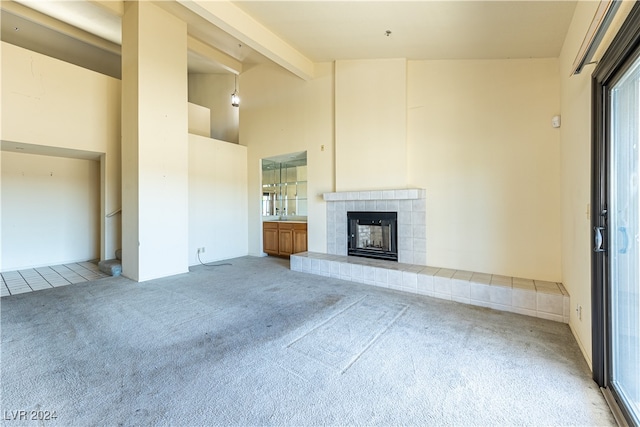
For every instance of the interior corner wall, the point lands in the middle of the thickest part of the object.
(155, 148)
(60, 106)
(371, 124)
(1, 268)
(56, 104)
(1, 252)
(50, 212)
(199, 120)
(576, 177)
(214, 92)
(217, 200)
(111, 204)
(480, 141)
(279, 114)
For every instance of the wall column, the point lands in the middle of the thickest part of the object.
(154, 143)
(371, 118)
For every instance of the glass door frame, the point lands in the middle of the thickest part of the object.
(619, 57)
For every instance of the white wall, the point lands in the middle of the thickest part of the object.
(279, 114)
(480, 141)
(214, 92)
(576, 177)
(217, 199)
(1, 253)
(371, 124)
(87, 104)
(155, 148)
(52, 104)
(51, 210)
(199, 120)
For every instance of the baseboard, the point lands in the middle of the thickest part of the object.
(585, 354)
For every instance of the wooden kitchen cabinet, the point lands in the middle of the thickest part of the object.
(270, 237)
(284, 237)
(299, 237)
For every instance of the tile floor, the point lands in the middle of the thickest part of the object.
(536, 298)
(35, 279)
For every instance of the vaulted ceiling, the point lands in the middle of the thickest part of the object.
(330, 30)
(226, 36)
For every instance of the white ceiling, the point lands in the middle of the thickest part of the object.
(330, 30)
(324, 30)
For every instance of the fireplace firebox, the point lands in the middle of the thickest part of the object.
(373, 235)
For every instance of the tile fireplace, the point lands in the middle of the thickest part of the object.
(408, 205)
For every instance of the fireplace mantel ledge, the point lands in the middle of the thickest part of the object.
(400, 194)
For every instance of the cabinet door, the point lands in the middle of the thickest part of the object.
(285, 241)
(299, 240)
(270, 239)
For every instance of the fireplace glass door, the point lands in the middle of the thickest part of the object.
(373, 234)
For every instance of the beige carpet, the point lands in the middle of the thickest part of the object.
(257, 344)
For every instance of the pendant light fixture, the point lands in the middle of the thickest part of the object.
(235, 98)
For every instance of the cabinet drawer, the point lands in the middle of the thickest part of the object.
(293, 226)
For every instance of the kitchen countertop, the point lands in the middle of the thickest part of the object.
(285, 220)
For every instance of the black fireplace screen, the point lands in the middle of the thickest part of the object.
(373, 234)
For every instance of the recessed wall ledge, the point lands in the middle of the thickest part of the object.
(399, 194)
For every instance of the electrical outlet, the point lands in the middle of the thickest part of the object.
(202, 250)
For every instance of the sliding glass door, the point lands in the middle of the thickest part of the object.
(624, 239)
(616, 222)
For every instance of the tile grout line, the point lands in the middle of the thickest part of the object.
(543, 297)
(25, 280)
(4, 285)
(71, 272)
(49, 269)
(61, 276)
(43, 278)
(80, 274)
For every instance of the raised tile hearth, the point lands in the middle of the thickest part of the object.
(536, 298)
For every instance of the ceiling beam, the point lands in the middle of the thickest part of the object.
(113, 6)
(207, 51)
(59, 26)
(242, 26)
